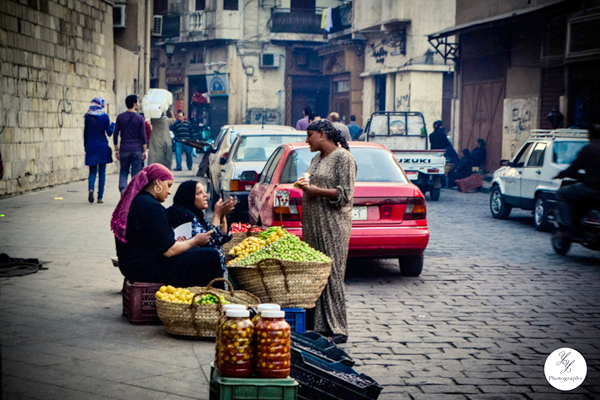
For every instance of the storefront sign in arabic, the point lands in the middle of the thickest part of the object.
(175, 75)
(218, 85)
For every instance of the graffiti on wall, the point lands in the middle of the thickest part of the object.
(64, 107)
(520, 117)
(403, 103)
(261, 116)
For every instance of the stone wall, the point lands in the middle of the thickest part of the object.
(55, 56)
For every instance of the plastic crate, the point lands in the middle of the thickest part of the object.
(469, 183)
(251, 388)
(296, 317)
(139, 302)
(318, 380)
(319, 346)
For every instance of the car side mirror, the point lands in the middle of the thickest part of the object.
(223, 160)
(504, 163)
(249, 176)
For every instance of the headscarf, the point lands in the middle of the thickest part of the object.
(118, 223)
(184, 208)
(96, 107)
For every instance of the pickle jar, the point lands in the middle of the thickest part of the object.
(273, 345)
(220, 321)
(236, 337)
(264, 307)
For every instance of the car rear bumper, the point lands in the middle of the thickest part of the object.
(378, 242)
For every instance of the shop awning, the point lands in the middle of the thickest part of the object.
(449, 50)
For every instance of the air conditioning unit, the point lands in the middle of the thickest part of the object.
(157, 25)
(119, 16)
(269, 60)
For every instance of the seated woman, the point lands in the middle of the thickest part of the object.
(146, 246)
(189, 204)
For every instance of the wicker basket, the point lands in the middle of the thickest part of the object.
(199, 320)
(287, 283)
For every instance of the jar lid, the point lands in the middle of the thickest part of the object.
(233, 307)
(238, 313)
(268, 306)
(272, 314)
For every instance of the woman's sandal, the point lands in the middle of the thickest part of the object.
(338, 338)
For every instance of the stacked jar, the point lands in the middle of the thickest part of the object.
(220, 321)
(236, 335)
(273, 354)
(264, 307)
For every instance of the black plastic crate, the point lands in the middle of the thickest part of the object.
(318, 380)
(319, 346)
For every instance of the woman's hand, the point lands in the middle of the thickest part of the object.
(203, 238)
(222, 208)
(181, 238)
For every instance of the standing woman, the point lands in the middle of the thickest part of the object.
(327, 220)
(95, 143)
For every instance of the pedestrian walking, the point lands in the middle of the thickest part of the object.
(133, 150)
(302, 123)
(327, 220)
(182, 130)
(160, 145)
(355, 130)
(97, 129)
(334, 118)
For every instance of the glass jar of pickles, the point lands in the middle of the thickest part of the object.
(220, 321)
(273, 345)
(236, 337)
(264, 307)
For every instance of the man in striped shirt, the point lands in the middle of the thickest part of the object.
(182, 130)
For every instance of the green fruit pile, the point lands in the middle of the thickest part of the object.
(211, 299)
(287, 248)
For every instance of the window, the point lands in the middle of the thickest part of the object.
(260, 147)
(565, 152)
(200, 5)
(537, 155)
(519, 161)
(341, 86)
(269, 169)
(296, 164)
(230, 5)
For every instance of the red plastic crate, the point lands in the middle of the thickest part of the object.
(139, 302)
(469, 183)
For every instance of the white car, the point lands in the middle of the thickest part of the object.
(526, 182)
(249, 154)
(223, 143)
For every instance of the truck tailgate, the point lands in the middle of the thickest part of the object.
(425, 161)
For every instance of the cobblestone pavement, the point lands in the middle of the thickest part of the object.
(493, 301)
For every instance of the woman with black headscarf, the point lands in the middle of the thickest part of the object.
(189, 204)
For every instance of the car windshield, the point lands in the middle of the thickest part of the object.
(566, 151)
(373, 165)
(260, 147)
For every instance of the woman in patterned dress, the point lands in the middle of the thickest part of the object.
(327, 220)
(189, 204)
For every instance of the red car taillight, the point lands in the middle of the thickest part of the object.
(291, 213)
(415, 208)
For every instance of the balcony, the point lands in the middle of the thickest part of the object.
(194, 22)
(171, 26)
(286, 20)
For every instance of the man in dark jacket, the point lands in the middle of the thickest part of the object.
(182, 130)
(571, 200)
(438, 138)
(133, 150)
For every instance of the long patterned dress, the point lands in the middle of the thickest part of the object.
(326, 226)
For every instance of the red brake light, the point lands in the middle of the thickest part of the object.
(386, 211)
(415, 208)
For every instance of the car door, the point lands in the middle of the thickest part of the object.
(214, 159)
(265, 188)
(512, 176)
(530, 177)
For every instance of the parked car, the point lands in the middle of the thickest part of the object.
(389, 214)
(526, 181)
(249, 153)
(222, 145)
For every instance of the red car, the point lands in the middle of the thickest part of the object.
(389, 215)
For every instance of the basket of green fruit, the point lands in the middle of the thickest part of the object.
(194, 311)
(284, 271)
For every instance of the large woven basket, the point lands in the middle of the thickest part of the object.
(287, 283)
(200, 320)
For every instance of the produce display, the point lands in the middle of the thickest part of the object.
(288, 248)
(247, 247)
(171, 294)
(238, 227)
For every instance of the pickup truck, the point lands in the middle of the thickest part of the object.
(404, 133)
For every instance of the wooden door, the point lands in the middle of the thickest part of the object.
(482, 106)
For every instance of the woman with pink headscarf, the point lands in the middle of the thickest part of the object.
(146, 246)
